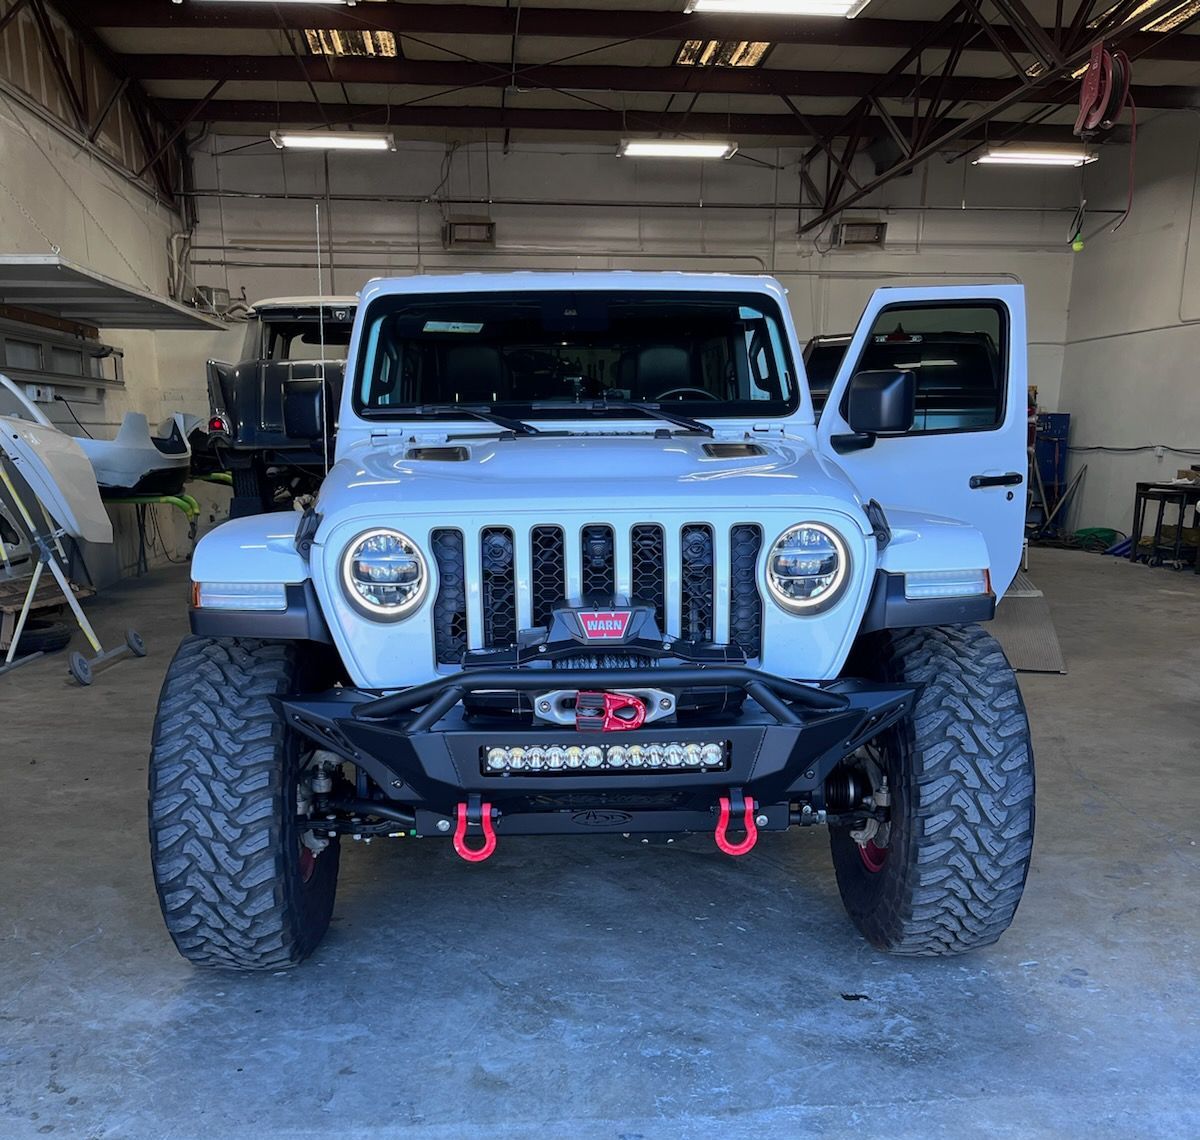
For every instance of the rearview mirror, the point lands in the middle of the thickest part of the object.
(881, 403)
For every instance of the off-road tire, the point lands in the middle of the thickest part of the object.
(224, 844)
(960, 770)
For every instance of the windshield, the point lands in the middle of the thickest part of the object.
(538, 355)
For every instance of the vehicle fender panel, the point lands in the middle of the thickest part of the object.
(257, 548)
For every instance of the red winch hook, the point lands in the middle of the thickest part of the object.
(722, 839)
(475, 855)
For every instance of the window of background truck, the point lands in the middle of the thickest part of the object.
(957, 354)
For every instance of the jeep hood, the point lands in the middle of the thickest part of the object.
(570, 473)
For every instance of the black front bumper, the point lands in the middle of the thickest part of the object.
(425, 753)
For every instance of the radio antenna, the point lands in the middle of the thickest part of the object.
(321, 331)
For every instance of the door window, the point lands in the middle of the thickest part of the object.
(956, 353)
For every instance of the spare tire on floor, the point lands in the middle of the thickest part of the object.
(42, 635)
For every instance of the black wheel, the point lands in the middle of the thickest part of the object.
(945, 872)
(239, 885)
(80, 668)
(42, 636)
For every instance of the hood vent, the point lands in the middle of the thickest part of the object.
(439, 454)
(733, 450)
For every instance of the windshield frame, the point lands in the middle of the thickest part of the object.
(586, 408)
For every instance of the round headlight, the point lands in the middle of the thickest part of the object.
(807, 568)
(384, 574)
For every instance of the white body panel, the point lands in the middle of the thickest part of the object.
(59, 474)
(575, 482)
(260, 548)
(124, 462)
(933, 471)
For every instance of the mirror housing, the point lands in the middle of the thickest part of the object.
(881, 403)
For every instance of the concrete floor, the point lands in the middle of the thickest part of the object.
(603, 989)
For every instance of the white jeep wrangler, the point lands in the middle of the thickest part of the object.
(587, 563)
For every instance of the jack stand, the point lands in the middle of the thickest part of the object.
(9, 664)
(81, 667)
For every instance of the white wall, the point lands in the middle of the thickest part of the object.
(1132, 363)
(946, 222)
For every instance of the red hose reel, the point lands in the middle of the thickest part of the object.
(1104, 91)
(1103, 95)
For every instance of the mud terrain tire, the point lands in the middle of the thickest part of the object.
(960, 770)
(235, 887)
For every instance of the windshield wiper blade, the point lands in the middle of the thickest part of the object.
(517, 427)
(654, 410)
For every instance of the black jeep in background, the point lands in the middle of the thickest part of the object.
(272, 416)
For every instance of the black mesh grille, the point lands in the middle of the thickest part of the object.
(450, 606)
(599, 569)
(649, 578)
(745, 610)
(499, 586)
(696, 580)
(549, 572)
(695, 576)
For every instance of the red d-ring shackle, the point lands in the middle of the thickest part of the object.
(475, 855)
(723, 824)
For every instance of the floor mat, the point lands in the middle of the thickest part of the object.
(1023, 587)
(1025, 630)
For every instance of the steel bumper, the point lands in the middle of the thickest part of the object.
(421, 749)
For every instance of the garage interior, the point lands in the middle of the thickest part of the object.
(602, 987)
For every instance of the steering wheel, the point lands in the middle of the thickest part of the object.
(679, 394)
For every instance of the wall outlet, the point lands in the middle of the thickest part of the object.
(40, 393)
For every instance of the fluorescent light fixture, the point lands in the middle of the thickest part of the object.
(847, 8)
(1024, 156)
(676, 148)
(334, 140)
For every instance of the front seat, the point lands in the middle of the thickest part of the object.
(473, 374)
(656, 369)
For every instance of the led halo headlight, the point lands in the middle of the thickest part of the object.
(384, 574)
(807, 568)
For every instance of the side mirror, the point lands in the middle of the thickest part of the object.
(881, 403)
(303, 406)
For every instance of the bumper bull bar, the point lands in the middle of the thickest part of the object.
(424, 752)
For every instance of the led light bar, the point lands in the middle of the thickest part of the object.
(836, 8)
(676, 148)
(239, 595)
(945, 583)
(569, 759)
(334, 140)
(1013, 156)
